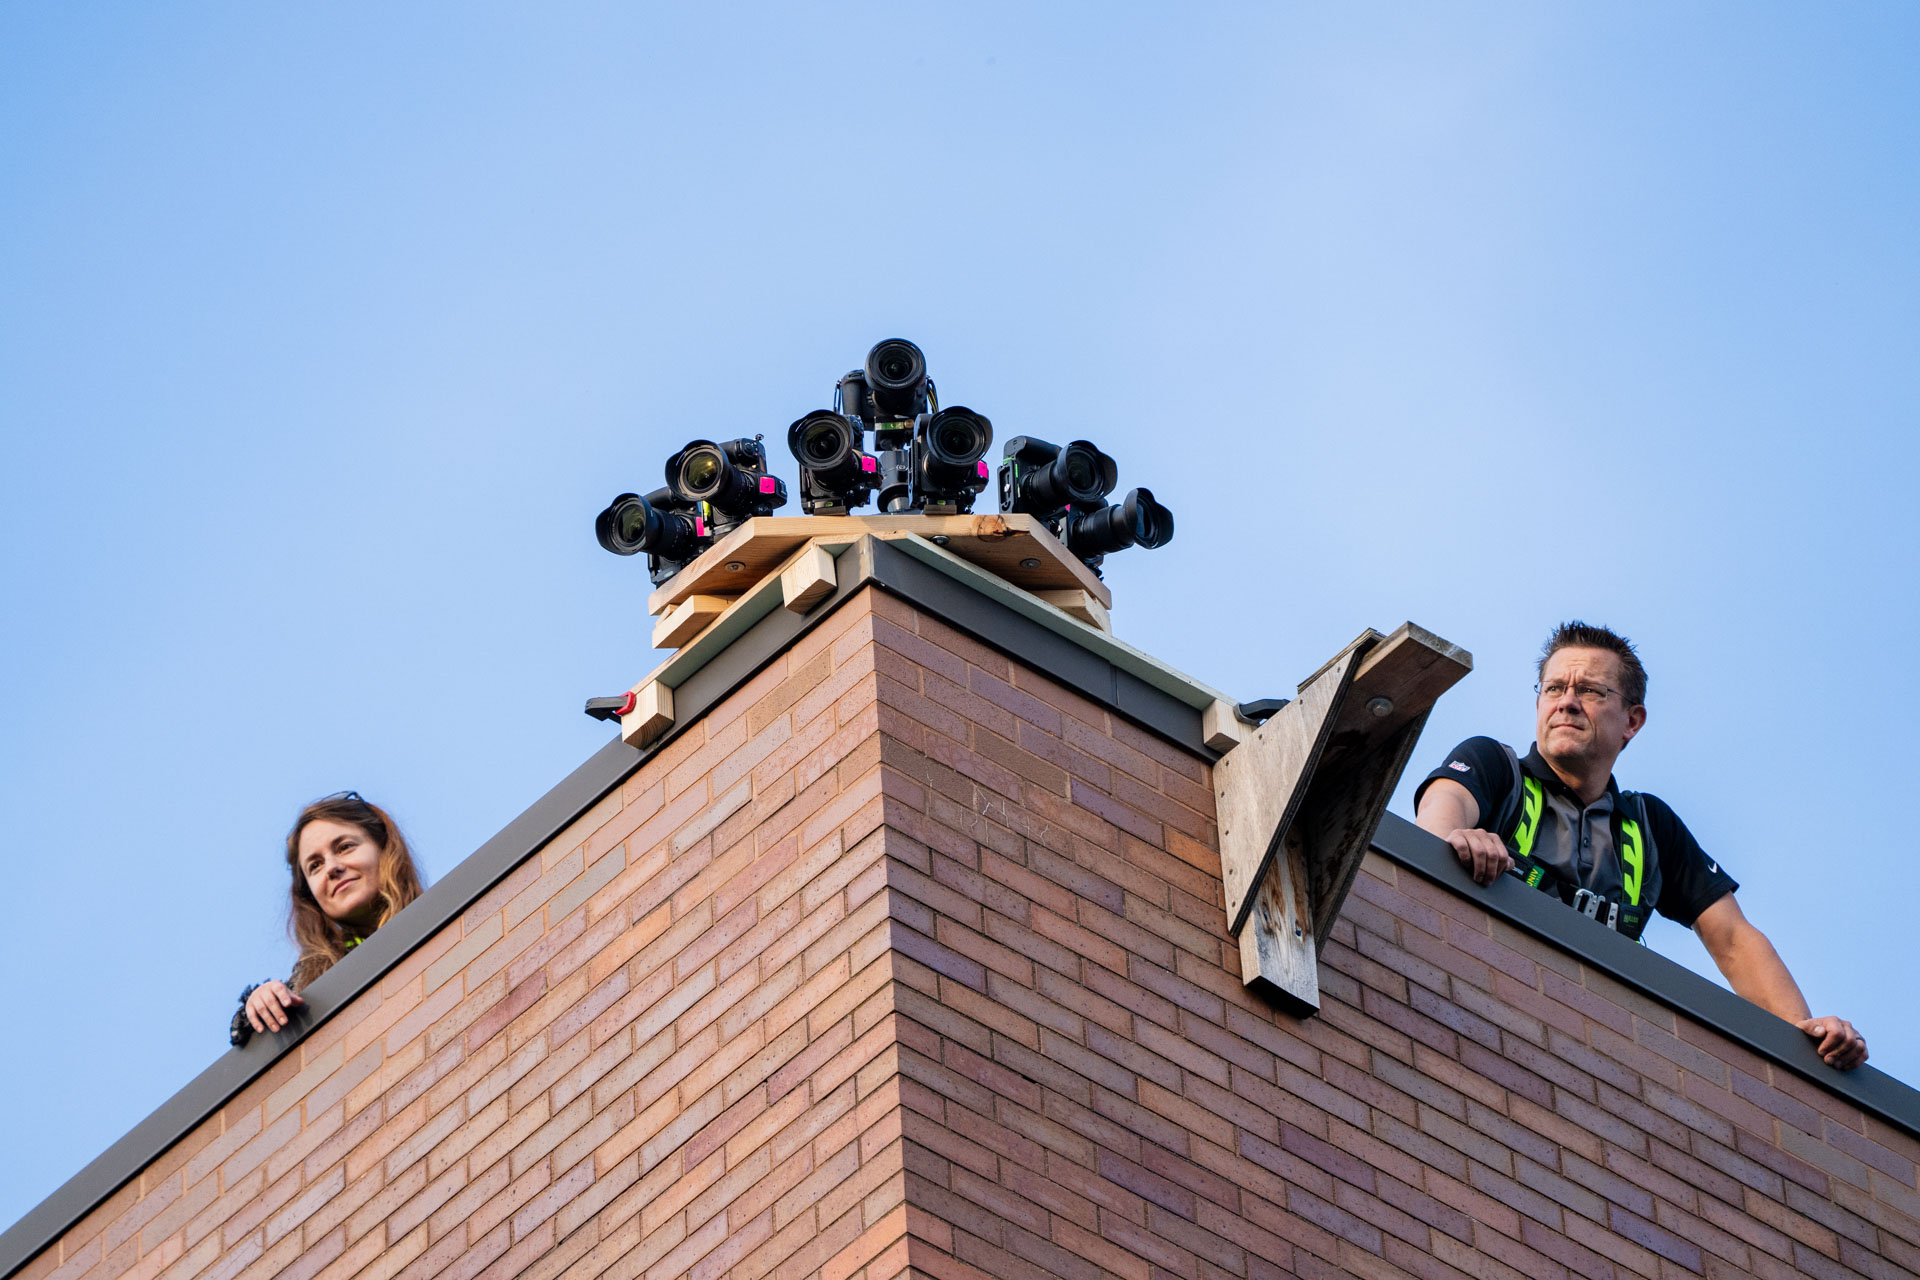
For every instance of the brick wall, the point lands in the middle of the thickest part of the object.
(905, 961)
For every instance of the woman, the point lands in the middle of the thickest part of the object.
(351, 873)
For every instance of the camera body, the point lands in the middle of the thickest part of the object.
(711, 488)
(836, 475)
(726, 484)
(660, 524)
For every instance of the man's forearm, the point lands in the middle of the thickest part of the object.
(1754, 970)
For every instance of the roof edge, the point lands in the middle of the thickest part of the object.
(1650, 973)
(1126, 681)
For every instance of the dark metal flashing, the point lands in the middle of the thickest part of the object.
(1652, 974)
(1031, 644)
(875, 562)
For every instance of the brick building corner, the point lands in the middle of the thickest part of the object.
(905, 955)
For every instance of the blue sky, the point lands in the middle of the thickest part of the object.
(327, 331)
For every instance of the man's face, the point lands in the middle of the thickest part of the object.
(1584, 733)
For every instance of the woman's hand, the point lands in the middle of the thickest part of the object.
(267, 1007)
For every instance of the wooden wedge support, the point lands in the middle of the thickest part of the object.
(687, 619)
(1298, 801)
(1259, 785)
(808, 579)
(1079, 603)
(652, 714)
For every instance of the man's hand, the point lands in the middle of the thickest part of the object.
(268, 1005)
(1482, 853)
(1839, 1045)
(1449, 811)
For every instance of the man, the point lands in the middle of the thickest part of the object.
(1556, 819)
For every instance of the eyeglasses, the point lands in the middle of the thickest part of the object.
(1590, 695)
(354, 796)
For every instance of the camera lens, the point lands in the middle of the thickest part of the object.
(1136, 520)
(731, 476)
(953, 443)
(631, 524)
(701, 470)
(955, 438)
(827, 445)
(1080, 476)
(897, 377)
(1079, 469)
(824, 441)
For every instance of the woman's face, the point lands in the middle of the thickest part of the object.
(342, 866)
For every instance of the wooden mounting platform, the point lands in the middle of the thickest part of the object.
(1015, 548)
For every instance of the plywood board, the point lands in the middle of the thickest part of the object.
(1001, 544)
(1258, 786)
(1299, 799)
(1386, 706)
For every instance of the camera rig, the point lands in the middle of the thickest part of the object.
(923, 459)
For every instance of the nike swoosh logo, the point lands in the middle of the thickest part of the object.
(1713, 866)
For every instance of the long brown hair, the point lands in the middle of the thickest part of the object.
(320, 940)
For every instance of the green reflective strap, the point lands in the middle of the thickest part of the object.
(1530, 805)
(1632, 859)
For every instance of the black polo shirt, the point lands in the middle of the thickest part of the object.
(1576, 841)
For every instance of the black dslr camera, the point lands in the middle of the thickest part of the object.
(711, 488)
(1067, 490)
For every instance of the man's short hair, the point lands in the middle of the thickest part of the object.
(1581, 635)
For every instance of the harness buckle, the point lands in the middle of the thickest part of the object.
(1588, 904)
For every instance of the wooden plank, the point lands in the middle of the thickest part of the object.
(999, 544)
(1258, 786)
(1279, 951)
(1079, 603)
(687, 619)
(808, 579)
(1298, 800)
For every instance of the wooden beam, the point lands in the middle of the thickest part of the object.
(1222, 727)
(652, 714)
(687, 619)
(808, 580)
